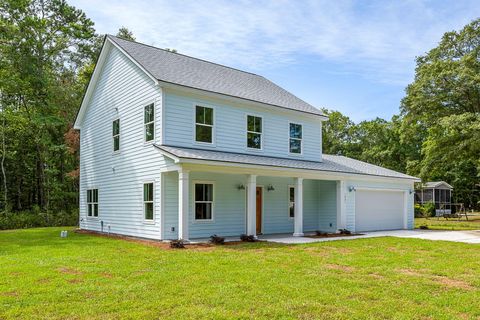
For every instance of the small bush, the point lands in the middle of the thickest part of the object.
(321, 233)
(423, 227)
(177, 244)
(429, 209)
(35, 219)
(217, 240)
(419, 211)
(345, 231)
(248, 238)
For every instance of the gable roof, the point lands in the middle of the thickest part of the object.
(330, 163)
(186, 71)
(436, 184)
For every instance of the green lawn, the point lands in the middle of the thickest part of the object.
(473, 223)
(87, 277)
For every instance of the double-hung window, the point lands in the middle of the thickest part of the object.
(92, 202)
(116, 134)
(148, 201)
(149, 122)
(291, 202)
(254, 132)
(295, 138)
(203, 201)
(203, 124)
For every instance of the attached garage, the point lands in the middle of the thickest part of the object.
(379, 210)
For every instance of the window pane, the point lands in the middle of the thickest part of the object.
(148, 192)
(198, 192)
(254, 124)
(149, 113)
(149, 211)
(254, 140)
(203, 133)
(292, 194)
(295, 146)
(208, 192)
(258, 124)
(203, 211)
(295, 131)
(95, 195)
(95, 209)
(149, 132)
(208, 116)
(89, 195)
(89, 209)
(116, 143)
(116, 127)
(200, 114)
(291, 210)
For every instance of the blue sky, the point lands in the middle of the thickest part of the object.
(353, 56)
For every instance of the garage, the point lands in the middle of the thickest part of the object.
(379, 210)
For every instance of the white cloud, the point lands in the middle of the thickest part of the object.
(376, 39)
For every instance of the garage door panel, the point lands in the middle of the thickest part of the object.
(378, 210)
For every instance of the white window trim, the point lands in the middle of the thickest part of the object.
(290, 186)
(261, 133)
(92, 217)
(213, 126)
(195, 220)
(145, 142)
(301, 140)
(148, 221)
(119, 136)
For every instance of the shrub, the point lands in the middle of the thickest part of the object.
(419, 211)
(423, 227)
(35, 219)
(177, 244)
(248, 238)
(321, 233)
(217, 240)
(345, 231)
(429, 209)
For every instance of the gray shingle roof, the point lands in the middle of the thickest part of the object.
(434, 184)
(330, 163)
(191, 72)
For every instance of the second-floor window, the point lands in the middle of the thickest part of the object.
(254, 132)
(149, 122)
(295, 138)
(203, 124)
(116, 134)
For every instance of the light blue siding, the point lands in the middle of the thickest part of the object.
(327, 205)
(230, 127)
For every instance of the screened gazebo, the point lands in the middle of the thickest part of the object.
(438, 192)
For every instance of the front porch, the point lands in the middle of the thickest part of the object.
(246, 204)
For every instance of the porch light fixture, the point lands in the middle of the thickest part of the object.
(270, 188)
(351, 188)
(241, 187)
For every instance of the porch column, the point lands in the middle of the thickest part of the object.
(183, 196)
(298, 208)
(341, 207)
(252, 205)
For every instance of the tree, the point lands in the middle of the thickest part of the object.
(441, 112)
(125, 33)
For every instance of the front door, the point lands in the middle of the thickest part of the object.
(259, 210)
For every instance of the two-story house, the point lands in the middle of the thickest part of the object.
(176, 147)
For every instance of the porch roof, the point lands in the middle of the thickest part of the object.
(330, 163)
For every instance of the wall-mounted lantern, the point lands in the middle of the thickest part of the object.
(240, 187)
(270, 188)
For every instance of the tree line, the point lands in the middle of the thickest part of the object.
(48, 50)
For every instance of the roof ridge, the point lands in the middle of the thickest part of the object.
(187, 56)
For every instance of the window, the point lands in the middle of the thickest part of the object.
(203, 124)
(148, 201)
(203, 201)
(149, 121)
(116, 134)
(295, 138)
(92, 203)
(254, 132)
(291, 202)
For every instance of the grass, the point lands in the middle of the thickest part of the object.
(440, 223)
(88, 277)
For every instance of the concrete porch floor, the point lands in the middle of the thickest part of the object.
(455, 236)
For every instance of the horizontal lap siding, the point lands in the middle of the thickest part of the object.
(230, 127)
(119, 177)
(350, 202)
(327, 205)
(276, 217)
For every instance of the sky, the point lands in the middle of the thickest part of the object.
(356, 57)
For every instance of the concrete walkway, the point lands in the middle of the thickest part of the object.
(456, 236)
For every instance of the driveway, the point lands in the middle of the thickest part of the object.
(455, 236)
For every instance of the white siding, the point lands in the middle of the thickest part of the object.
(119, 177)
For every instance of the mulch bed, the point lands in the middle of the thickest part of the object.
(334, 235)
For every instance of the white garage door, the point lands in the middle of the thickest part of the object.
(378, 210)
